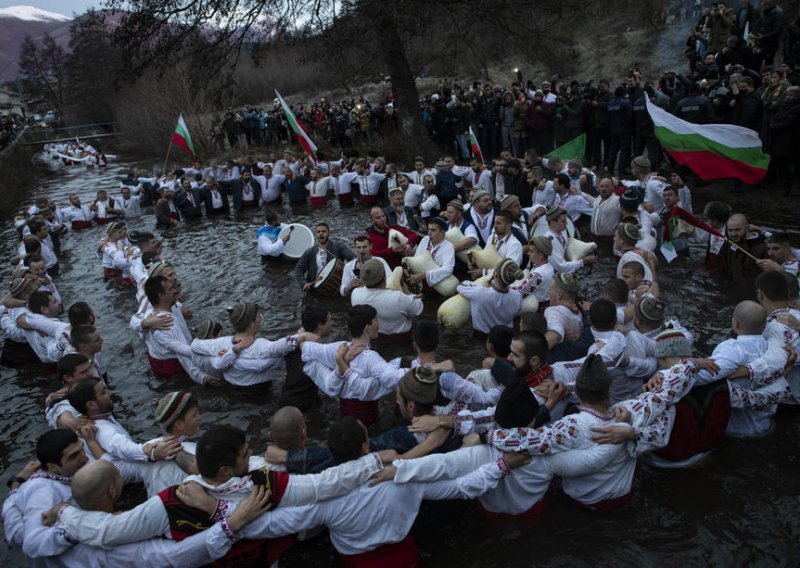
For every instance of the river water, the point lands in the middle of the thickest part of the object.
(741, 508)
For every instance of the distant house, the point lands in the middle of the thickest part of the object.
(11, 101)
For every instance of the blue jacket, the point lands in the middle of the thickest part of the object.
(620, 117)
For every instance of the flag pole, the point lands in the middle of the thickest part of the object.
(169, 148)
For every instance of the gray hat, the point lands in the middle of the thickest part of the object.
(509, 201)
(543, 244)
(672, 343)
(480, 193)
(641, 162)
(372, 273)
(567, 282)
(593, 376)
(419, 385)
(508, 271)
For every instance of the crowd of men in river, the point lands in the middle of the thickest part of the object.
(569, 388)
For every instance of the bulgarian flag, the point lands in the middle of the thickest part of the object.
(300, 131)
(181, 137)
(474, 146)
(667, 248)
(712, 151)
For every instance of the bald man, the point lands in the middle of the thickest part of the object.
(288, 451)
(736, 258)
(96, 487)
(753, 402)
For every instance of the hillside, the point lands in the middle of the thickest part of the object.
(17, 22)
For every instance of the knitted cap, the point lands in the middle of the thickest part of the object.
(114, 226)
(396, 189)
(568, 282)
(440, 165)
(554, 212)
(641, 161)
(242, 312)
(480, 193)
(630, 199)
(593, 376)
(631, 231)
(372, 273)
(170, 407)
(672, 343)
(509, 271)
(420, 385)
(509, 201)
(517, 406)
(456, 204)
(18, 285)
(543, 244)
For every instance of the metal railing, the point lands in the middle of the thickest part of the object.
(47, 135)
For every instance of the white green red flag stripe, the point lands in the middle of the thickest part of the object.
(474, 146)
(669, 230)
(712, 151)
(299, 130)
(181, 137)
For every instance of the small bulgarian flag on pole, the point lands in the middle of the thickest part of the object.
(302, 136)
(474, 146)
(712, 151)
(181, 137)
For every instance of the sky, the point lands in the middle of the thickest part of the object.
(65, 7)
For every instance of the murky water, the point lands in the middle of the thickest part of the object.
(742, 508)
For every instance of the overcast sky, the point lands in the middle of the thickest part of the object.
(66, 7)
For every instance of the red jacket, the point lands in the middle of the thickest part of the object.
(381, 248)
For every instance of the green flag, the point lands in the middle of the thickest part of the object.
(575, 149)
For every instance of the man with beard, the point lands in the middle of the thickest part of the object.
(246, 192)
(781, 255)
(398, 213)
(79, 216)
(352, 270)
(481, 176)
(394, 251)
(481, 215)
(165, 211)
(737, 257)
(315, 258)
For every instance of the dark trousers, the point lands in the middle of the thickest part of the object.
(601, 141)
(620, 146)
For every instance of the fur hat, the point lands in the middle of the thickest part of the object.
(543, 244)
(593, 375)
(508, 271)
(419, 385)
(568, 282)
(517, 406)
(509, 201)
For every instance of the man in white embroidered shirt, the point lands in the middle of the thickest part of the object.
(396, 309)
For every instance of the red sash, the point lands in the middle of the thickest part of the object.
(165, 368)
(364, 410)
(535, 512)
(319, 201)
(401, 554)
(80, 225)
(185, 521)
(174, 215)
(608, 505)
(103, 220)
(109, 273)
(345, 199)
(368, 198)
(249, 204)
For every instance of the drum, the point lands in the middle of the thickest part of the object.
(301, 240)
(329, 278)
(540, 227)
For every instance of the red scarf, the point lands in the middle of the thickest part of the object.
(535, 378)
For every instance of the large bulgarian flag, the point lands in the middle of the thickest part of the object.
(712, 151)
(302, 136)
(181, 137)
(474, 146)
